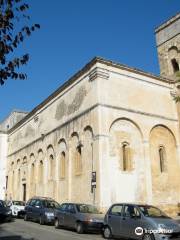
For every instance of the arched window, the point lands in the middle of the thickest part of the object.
(126, 160)
(13, 182)
(78, 161)
(51, 166)
(175, 65)
(62, 165)
(32, 173)
(41, 171)
(19, 178)
(162, 159)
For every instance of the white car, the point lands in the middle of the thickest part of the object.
(17, 208)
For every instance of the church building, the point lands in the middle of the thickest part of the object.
(111, 133)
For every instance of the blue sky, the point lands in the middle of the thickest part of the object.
(73, 32)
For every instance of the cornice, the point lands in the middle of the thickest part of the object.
(96, 72)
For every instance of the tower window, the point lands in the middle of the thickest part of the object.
(175, 65)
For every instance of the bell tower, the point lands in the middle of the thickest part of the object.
(168, 47)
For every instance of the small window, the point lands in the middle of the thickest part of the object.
(175, 65)
(41, 176)
(116, 210)
(162, 159)
(32, 173)
(6, 182)
(126, 160)
(51, 166)
(62, 165)
(78, 161)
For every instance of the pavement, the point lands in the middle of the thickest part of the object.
(18, 229)
(21, 230)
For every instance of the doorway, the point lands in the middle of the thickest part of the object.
(24, 192)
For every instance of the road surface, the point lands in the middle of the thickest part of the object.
(18, 229)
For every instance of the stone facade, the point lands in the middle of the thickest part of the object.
(168, 46)
(5, 125)
(119, 122)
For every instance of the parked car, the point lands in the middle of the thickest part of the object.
(40, 209)
(138, 221)
(81, 217)
(17, 208)
(5, 212)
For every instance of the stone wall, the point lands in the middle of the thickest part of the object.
(168, 46)
(107, 106)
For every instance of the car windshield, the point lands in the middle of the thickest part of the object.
(84, 208)
(50, 204)
(150, 211)
(18, 203)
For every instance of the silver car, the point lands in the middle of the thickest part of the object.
(135, 221)
(81, 217)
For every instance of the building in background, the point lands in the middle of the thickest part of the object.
(7, 124)
(109, 134)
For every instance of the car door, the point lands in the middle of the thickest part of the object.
(130, 221)
(28, 208)
(61, 212)
(70, 218)
(114, 218)
(32, 209)
(37, 209)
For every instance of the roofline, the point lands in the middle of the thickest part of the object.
(3, 132)
(167, 22)
(13, 111)
(86, 68)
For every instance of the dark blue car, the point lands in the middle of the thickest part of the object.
(5, 212)
(40, 209)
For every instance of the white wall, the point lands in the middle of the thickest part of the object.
(3, 154)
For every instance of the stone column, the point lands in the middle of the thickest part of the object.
(102, 191)
(148, 172)
(46, 176)
(69, 171)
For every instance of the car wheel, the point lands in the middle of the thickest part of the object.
(56, 223)
(107, 234)
(26, 217)
(148, 237)
(41, 220)
(79, 228)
